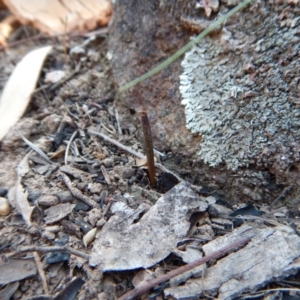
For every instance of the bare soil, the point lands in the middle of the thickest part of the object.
(57, 121)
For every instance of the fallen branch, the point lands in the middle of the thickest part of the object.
(150, 284)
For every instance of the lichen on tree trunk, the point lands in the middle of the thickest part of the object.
(257, 51)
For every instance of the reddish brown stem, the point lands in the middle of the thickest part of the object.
(150, 284)
(148, 147)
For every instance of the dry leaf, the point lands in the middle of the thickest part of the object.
(61, 16)
(9, 290)
(22, 204)
(58, 212)
(18, 89)
(16, 269)
(126, 242)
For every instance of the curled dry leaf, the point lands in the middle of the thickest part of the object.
(89, 237)
(62, 16)
(21, 201)
(17, 91)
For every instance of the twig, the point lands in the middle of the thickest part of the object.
(47, 250)
(36, 149)
(185, 48)
(118, 121)
(148, 147)
(39, 36)
(118, 144)
(281, 196)
(69, 145)
(77, 194)
(105, 174)
(150, 284)
(107, 208)
(41, 271)
(63, 80)
(137, 154)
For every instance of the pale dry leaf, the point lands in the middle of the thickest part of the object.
(58, 212)
(62, 16)
(21, 200)
(126, 242)
(16, 269)
(17, 91)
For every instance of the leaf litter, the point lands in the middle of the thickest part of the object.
(107, 191)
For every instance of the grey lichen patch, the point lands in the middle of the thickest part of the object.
(241, 90)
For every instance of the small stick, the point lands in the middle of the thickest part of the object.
(69, 145)
(105, 174)
(118, 121)
(281, 196)
(47, 250)
(148, 147)
(137, 154)
(77, 193)
(35, 148)
(41, 272)
(118, 144)
(139, 290)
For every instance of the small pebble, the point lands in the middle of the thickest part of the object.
(81, 206)
(83, 226)
(108, 162)
(77, 52)
(65, 196)
(100, 223)
(4, 207)
(48, 235)
(56, 257)
(48, 200)
(3, 192)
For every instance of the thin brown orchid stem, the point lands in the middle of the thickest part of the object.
(148, 147)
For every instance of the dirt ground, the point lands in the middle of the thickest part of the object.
(71, 195)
